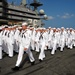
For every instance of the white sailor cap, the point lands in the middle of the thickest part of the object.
(54, 28)
(5, 25)
(19, 27)
(62, 27)
(43, 28)
(15, 25)
(49, 27)
(58, 28)
(39, 28)
(71, 28)
(24, 24)
(9, 27)
(67, 28)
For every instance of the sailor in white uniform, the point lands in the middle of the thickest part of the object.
(1, 43)
(16, 43)
(46, 38)
(37, 35)
(10, 42)
(42, 45)
(62, 38)
(66, 36)
(4, 34)
(24, 41)
(54, 41)
(50, 36)
(33, 38)
(74, 38)
(70, 38)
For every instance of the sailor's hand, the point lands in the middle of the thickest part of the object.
(25, 49)
(38, 41)
(49, 41)
(35, 42)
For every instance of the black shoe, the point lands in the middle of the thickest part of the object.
(32, 50)
(16, 68)
(10, 57)
(32, 63)
(40, 60)
(61, 51)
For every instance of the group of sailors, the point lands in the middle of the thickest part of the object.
(25, 39)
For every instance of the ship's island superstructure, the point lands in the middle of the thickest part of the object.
(16, 14)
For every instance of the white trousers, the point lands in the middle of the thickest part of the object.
(54, 47)
(37, 46)
(16, 46)
(74, 42)
(10, 49)
(70, 43)
(50, 44)
(42, 53)
(32, 44)
(62, 44)
(0, 51)
(20, 55)
(5, 47)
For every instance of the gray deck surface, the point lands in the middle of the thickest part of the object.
(61, 63)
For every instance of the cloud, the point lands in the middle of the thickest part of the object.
(50, 17)
(58, 15)
(72, 15)
(67, 16)
(64, 16)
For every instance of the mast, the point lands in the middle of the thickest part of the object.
(36, 4)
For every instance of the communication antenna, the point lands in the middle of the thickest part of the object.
(36, 4)
(13, 2)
